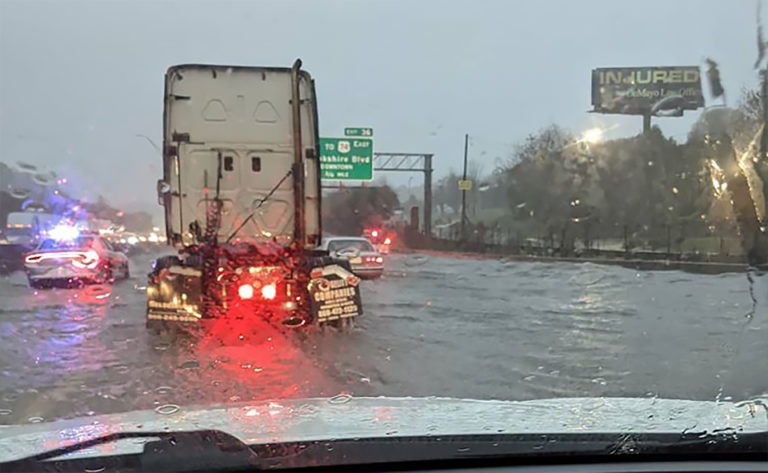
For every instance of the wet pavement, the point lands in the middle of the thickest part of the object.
(434, 326)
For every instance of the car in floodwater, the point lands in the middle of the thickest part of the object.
(381, 237)
(364, 260)
(74, 258)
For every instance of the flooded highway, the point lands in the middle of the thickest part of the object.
(433, 326)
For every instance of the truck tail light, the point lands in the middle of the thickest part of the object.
(245, 291)
(269, 291)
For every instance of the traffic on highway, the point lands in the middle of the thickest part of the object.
(242, 245)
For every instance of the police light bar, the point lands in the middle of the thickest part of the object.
(63, 233)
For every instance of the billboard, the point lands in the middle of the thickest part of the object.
(646, 90)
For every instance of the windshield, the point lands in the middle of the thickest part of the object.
(20, 231)
(341, 220)
(358, 245)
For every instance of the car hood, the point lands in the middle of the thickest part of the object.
(343, 417)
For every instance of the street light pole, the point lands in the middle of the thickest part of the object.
(464, 192)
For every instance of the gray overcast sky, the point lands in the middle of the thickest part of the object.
(79, 80)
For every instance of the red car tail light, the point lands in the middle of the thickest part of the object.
(81, 259)
(88, 260)
(33, 258)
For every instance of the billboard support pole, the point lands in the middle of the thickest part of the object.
(428, 197)
(646, 123)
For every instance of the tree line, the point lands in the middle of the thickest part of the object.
(556, 183)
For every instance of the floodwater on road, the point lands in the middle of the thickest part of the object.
(433, 326)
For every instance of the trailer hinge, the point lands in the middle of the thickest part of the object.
(171, 151)
(180, 137)
(309, 153)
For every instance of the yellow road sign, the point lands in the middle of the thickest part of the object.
(465, 185)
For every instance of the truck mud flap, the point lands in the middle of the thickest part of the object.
(334, 294)
(174, 295)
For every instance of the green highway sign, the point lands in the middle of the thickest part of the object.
(346, 159)
(368, 132)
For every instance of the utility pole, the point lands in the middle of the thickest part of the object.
(428, 197)
(464, 192)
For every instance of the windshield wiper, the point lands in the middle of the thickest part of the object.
(210, 450)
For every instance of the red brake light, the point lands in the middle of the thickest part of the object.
(387, 241)
(33, 258)
(81, 259)
(379, 259)
(245, 291)
(269, 291)
(374, 233)
(88, 259)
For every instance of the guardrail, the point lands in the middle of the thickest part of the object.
(667, 246)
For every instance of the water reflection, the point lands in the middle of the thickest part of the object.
(454, 327)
